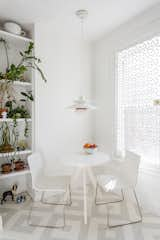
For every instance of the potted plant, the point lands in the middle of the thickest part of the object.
(22, 145)
(28, 60)
(19, 165)
(5, 145)
(20, 111)
(6, 167)
(6, 93)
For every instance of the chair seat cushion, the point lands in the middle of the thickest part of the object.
(110, 182)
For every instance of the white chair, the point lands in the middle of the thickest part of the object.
(55, 185)
(123, 175)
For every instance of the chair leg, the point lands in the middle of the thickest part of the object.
(101, 202)
(47, 226)
(70, 196)
(130, 222)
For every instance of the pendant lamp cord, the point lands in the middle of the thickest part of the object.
(82, 29)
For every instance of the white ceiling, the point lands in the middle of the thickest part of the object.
(104, 15)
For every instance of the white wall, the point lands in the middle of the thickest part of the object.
(67, 65)
(104, 54)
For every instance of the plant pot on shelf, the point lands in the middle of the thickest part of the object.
(6, 144)
(6, 148)
(6, 167)
(2, 110)
(19, 165)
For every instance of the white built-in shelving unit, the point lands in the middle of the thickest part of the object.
(18, 43)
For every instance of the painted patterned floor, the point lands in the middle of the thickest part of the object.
(16, 222)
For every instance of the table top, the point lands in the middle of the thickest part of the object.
(82, 159)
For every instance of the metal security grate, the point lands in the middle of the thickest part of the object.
(138, 121)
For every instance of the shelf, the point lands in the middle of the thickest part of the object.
(19, 83)
(10, 154)
(14, 173)
(17, 120)
(12, 36)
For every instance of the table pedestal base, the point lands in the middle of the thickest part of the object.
(86, 173)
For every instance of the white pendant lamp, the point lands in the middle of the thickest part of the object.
(81, 103)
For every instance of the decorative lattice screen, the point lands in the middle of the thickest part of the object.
(138, 125)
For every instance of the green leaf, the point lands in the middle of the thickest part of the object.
(21, 54)
(28, 95)
(41, 73)
(30, 48)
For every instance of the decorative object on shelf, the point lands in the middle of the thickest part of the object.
(19, 165)
(6, 168)
(14, 28)
(10, 193)
(81, 104)
(90, 148)
(3, 113)
(20, 198)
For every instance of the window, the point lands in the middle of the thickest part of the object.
(138, 122)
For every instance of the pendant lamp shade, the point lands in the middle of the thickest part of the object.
(81, 104)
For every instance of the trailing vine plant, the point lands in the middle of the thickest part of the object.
(27, 61)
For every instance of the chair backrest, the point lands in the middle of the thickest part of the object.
(130, 167)
(36, 165)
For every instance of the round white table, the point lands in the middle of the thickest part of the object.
(84, 163)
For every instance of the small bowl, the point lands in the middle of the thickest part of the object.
(90, 150)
